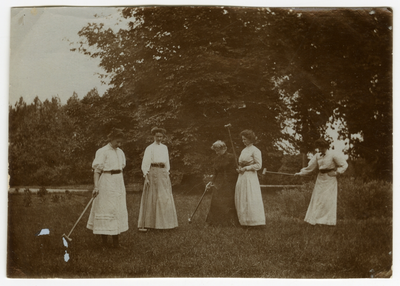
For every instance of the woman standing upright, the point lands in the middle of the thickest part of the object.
(157, 208)
(109, 215)
(222, 209)
(248, 199)
(323, 204)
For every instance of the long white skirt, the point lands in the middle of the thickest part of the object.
(248, 200)
(109, 214)
(323, 204)
(157, 207)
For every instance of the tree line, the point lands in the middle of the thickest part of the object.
(192, 70)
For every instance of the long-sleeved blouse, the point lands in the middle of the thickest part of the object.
(250, 158)
(155, 153)
(107, 158)
(329, 161)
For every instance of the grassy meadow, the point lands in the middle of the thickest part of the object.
(360, 246)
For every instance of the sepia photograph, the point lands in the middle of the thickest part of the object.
(200, 141)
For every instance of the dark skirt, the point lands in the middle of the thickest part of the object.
(222, 209)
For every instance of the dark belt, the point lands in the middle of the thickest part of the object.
(324, 171)
(113, 172)
(158, 165)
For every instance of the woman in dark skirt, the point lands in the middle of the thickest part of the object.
(222, 210)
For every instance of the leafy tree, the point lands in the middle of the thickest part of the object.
(342, 70)
(171, 69)
(39, 143)
(191, 69)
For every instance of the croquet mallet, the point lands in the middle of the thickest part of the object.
(67, 236)
(207, 187)
(279, 173)
(233, 147)
(146, 187)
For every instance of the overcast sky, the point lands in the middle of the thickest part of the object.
(41, 63)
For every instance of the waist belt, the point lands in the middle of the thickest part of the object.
(324, 171)
(158, 165)
(113, 172)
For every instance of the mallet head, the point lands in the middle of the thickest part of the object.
(66, 237)
(189, 220)
(228, 125)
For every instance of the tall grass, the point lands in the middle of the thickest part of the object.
(285, 248)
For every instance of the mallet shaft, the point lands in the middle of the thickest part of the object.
(278, 173)
(198, 204)
(233, 147)
(80, 216)
(146, 187)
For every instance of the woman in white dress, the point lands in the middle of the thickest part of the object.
(109, 215)
(248, 198)
(157, 207)
(323, 204)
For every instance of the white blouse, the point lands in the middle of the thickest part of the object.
(331, 160)
(107, 158)
(155, 153)
(250, 158)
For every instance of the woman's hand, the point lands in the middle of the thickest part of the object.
(332, 174)
(241, 170)
(146, 180)
(95, 192)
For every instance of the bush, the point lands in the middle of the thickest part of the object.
(27, 197)
(55, 198)
(68, 194)
(42, 191)
(364, 200)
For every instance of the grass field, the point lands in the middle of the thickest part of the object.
(286, 247)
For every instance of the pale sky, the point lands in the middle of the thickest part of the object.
(41, 63)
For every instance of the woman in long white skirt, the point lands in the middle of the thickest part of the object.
(109, 215)
(248, 198)
(323, 204)
(157, 207)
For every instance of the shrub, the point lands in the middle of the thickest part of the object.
(364, 200)
(55, 198)
(27, 197)
(68, 194)
(42, 192)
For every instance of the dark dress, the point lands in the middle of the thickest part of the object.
(222, 209)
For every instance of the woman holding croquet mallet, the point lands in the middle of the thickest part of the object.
(222, 208)
(323, 204)
(109, 215)
(157, 207)
(248, 198)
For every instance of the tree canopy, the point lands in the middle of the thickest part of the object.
(192, 70)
